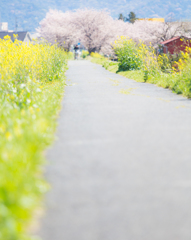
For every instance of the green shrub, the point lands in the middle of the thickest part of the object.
(127, 52)
(85, 54)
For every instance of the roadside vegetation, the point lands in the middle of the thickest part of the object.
(31, 88)
(141, 63)
(136, 59)
(32, 80)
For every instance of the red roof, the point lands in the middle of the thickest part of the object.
(170, 40)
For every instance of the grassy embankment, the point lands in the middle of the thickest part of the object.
(111, 66)
(140, 63)
(31, 88)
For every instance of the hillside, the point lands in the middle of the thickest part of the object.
(30, 12)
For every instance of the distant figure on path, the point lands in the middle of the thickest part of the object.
(76, 49)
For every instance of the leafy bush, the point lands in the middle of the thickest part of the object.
(85, 54)
(31, 87)
(128, 55)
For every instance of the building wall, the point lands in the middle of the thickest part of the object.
(27, 38)
(176, 46)
(153, 19)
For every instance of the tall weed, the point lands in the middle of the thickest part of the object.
(128, 54)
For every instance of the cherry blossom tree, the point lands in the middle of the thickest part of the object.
(97, 30)
(56, 28)
(154, 32)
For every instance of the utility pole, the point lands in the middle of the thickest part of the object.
(16, 24)
(0, 23)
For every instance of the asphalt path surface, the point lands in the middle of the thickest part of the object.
(120, 168)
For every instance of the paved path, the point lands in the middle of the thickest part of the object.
(121, 167)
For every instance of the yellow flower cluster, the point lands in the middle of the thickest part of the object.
(24, 67)
(185, 59)
(21, 59)
(96, 55)
(166, 70)
(135, 55)
(165, 63)
(31, 88)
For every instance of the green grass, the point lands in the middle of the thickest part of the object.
(137, 75)
(99, 61)
(179, 83)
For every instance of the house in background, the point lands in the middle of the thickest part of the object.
(4, 26)
(176, 44)
(21, 36)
